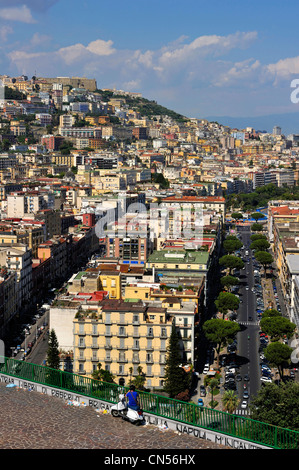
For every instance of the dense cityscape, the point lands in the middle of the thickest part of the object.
(140, 246)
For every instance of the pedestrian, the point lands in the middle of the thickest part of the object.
(133, 398)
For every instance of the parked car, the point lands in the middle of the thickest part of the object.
(200, 402)
(266, 379)
(202, 391)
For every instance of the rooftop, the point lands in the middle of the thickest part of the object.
(179, 256)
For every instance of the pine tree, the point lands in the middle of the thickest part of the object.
(53, 359)
(176, 379)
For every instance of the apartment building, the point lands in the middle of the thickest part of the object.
(45, 119)
(51, 142)
(215, 203)
(18, 258)
(20, 232)
(94, 280)
(8, 299)
(123, 336)
(66, 120)
(18, 128)
(81, 132)
(19, 204)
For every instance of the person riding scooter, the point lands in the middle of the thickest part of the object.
(133, 398)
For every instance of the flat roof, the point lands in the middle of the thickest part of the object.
(179, 256)
(293, 263)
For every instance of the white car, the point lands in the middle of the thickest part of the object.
(266, 379)
(206, 368)
(244, 404)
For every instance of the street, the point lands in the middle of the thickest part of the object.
(248, 341)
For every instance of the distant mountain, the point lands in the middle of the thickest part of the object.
(288, 122)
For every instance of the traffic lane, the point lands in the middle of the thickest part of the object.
(36, 332)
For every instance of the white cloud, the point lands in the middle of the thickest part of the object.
(284, 68)
(100, 47)
(207, 45)
(21, 14)
(4, 32)
(247, 70)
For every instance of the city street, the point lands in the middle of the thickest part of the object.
(248, 355)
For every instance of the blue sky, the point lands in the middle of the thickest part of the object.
(199, 58)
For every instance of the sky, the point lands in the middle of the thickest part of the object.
(199, 58)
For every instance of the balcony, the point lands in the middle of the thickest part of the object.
(122, 335)
(122, 360)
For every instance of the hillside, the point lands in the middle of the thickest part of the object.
(147, 108)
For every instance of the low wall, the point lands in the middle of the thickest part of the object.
(166, 423)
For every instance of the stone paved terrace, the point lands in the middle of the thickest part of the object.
(31, 420)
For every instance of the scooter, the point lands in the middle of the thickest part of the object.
(121, 410)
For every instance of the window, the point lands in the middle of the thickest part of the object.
(94, 329)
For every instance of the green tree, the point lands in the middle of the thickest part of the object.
(176, 379)
(230, 401)
(257, 216)
(231, 262)
(260, 244)
(53, 359)
(232, 244)
(271, 312)
(256, 227)
(226, 301)
(213, 386)
(258, 236)
(221, 332)
(159, 179)
(264, 258)
(229, 281)
(276, 405)
(278, 354)
(102, 374)
(237, 215)
(140, 379)
(277, 327)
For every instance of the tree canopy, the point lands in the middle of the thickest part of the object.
(232, 244)
(227, 301)
(278, 355)
(231, 262)
(277, 327)
(275, 404)
(176, 380)
(221, 332)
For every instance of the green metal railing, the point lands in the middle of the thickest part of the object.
(163, 407)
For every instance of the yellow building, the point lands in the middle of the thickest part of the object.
(123, 337)
(93, 280)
